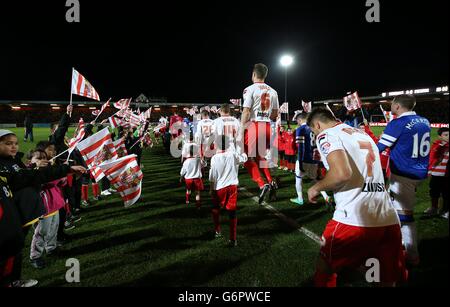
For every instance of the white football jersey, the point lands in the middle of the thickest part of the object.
(224, 169)
(204, 129)
(261, 99)
(228, 126)
(363, 201)
(192, 168)
(190, 150)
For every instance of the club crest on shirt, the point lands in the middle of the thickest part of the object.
(325, 148)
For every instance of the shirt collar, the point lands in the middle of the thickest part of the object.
(407, 114)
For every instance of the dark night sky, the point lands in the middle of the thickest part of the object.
(205, 52)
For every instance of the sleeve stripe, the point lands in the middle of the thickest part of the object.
(388, 137)
(386, 143)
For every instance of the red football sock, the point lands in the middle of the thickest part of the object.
(233, 226)
(216, 218)
(84, 192)
(253, 170)
(266, 172)
(325, 280)
(95, 189)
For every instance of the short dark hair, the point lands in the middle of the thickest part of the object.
(225, 108)
(442, 130)
(301, 116)
(261, 71)
(204, 113)
(42, 145)
(320, 114)
(406, 101)
(33, 152)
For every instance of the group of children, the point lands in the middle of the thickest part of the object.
(49, 208)
(215, 141)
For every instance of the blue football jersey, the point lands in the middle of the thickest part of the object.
(306, 142)
(408, 137)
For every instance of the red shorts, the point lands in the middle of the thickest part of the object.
(255, 134)
(226, 197)
(195, 184)
(345, 246)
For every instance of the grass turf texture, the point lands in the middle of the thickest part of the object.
(162, 242)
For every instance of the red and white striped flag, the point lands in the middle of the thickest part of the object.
(80, 135)
(133, 119)
(284, 108)
(148, 113)
(104, 106)
(214, 109)
(120, 147)
(387, 115)
(307, 106)
(236, 102)
(126, 176)
(98, 149)
(352, 102)
(122, 104)
(114, 122)
(82, 87)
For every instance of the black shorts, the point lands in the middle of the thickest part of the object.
(438, 187)
(281, 155)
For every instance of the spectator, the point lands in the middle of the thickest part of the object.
(28, 123)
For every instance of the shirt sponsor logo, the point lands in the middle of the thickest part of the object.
(373, 187)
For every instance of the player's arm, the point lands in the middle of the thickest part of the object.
(212, 179)
(390, 136)
(247, 105)
(245, 118)
(275, 106)
(339, 173)
(183, 172)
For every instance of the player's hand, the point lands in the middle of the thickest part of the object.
(366, 123)
(78, 169)
(312, 195)
(69, 109)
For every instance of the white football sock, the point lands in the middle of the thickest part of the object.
(409, 236)
(298, 187)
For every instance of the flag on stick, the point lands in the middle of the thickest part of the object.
(82, 87)
(96, 150)
(120, 147)
(352, 102)
(126, 176)
(284, 108)
(122, 104)
(307, 106)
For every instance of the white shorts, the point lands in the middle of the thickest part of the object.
(310, 170)
(403, 193)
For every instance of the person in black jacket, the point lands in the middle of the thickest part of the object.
(11, 232)
(28, 124)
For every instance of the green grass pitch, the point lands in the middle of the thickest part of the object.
(162, 242)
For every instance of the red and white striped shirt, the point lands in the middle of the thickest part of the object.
(439, 159)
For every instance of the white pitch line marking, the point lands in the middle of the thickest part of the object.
(308, 233)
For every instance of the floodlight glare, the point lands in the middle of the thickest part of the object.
(286, 60)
